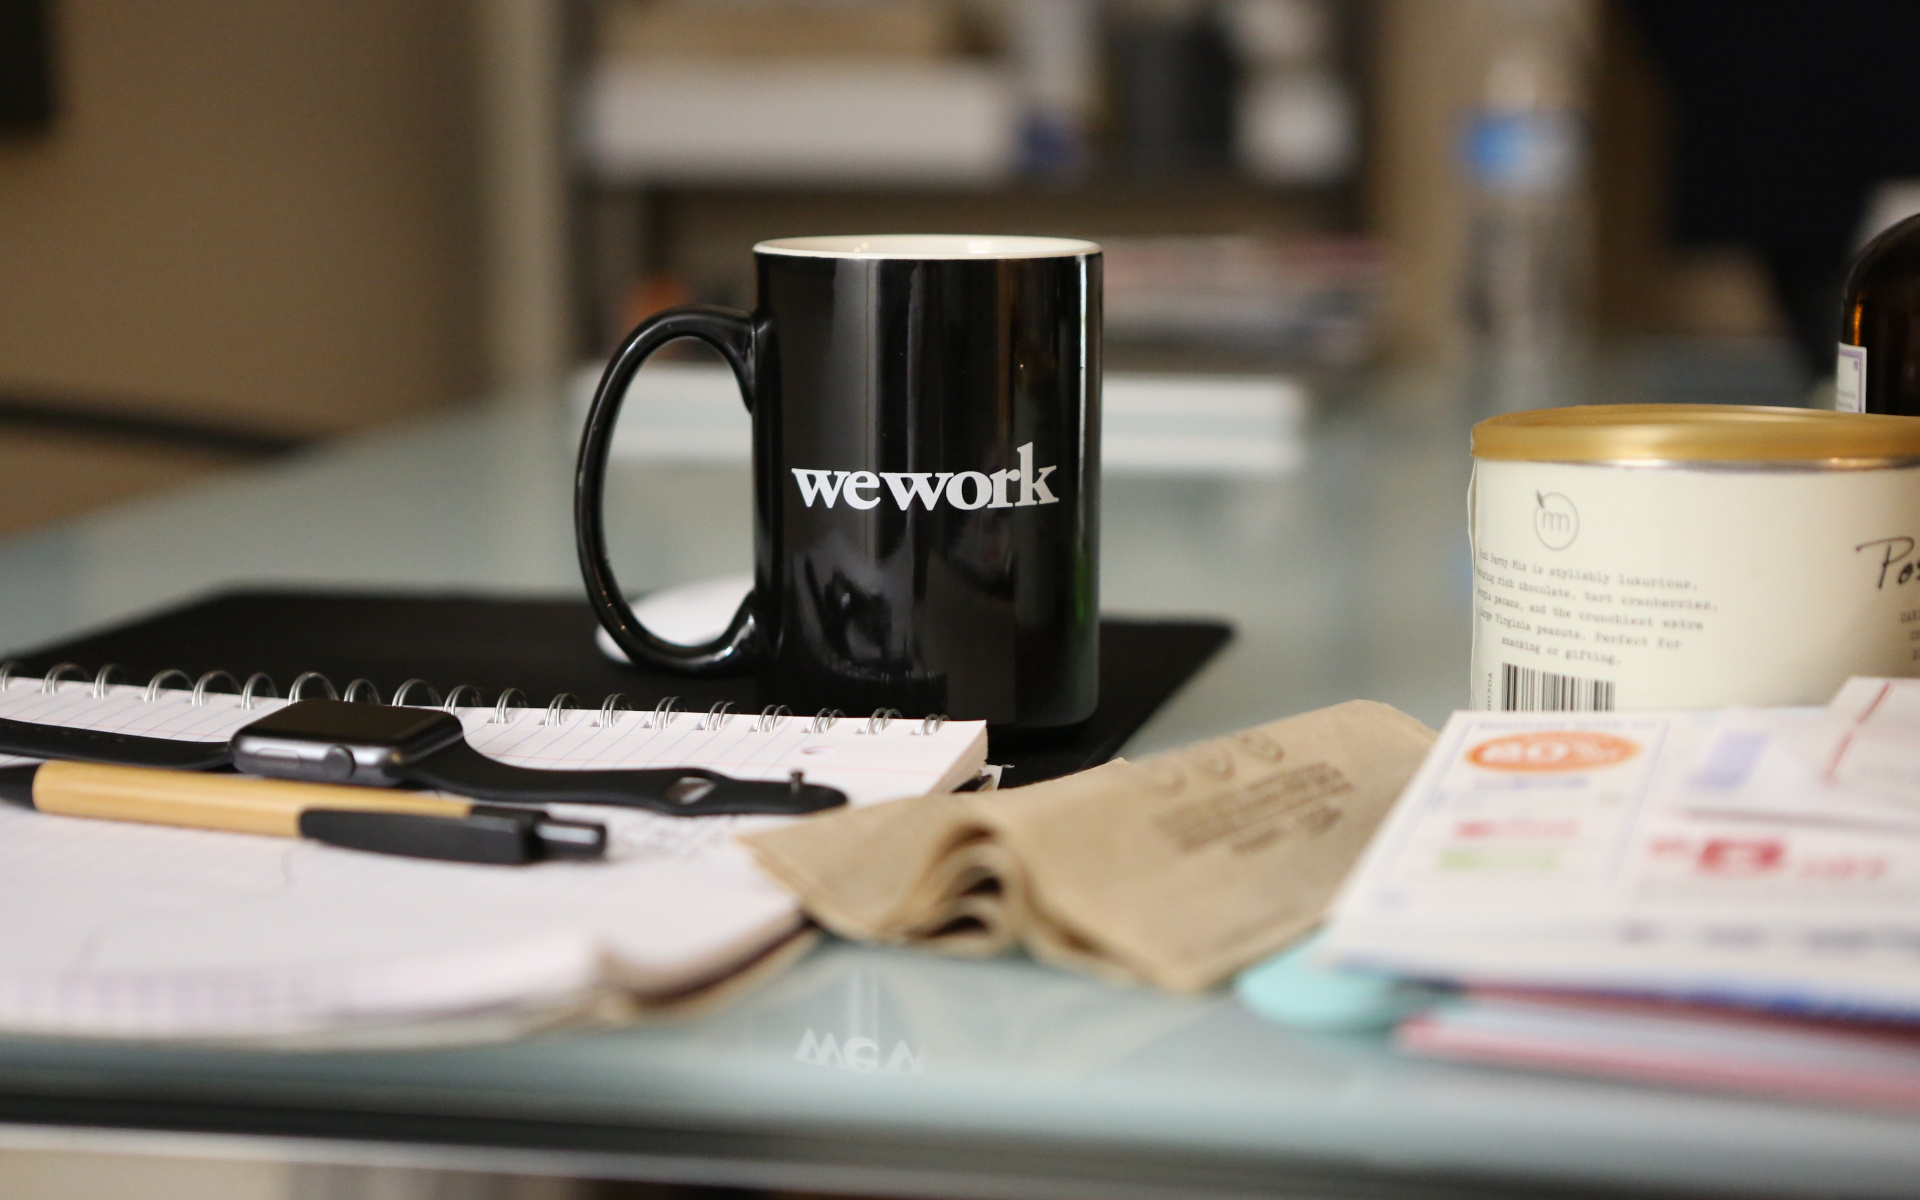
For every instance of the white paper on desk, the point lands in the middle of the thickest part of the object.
(1512, 806)
(1775, 763)
(117, 929)
(1661, 865)
(133, 930)
(1870, 738)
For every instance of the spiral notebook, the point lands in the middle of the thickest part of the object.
(545, 646)
(146, 931)
(876, 757)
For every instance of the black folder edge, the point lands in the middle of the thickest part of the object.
(544, 646)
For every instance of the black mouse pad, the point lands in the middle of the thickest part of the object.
(545, 647)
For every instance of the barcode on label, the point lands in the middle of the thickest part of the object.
(1524, 689)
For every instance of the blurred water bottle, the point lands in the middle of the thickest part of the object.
(1524, 154)
(1056, 46)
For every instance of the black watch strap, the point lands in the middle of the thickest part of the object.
(458, 768)
(32, 740)
(688, 792)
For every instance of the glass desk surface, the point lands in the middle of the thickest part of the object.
(862, 1069)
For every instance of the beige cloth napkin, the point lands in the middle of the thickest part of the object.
(1176, 870)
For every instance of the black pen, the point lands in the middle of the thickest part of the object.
(376, 819)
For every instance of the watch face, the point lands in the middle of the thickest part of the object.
(369, 725)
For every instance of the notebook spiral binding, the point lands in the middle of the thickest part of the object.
(259, 686)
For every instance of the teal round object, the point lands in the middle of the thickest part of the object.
(1293, 990)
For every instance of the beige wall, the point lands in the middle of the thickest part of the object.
(256, 213)
(1427, 75)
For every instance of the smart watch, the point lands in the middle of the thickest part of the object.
(333, 741)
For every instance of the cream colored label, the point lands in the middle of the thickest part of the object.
(1601, 587)
(1850, 379)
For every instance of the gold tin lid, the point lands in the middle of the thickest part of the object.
(1682, 433)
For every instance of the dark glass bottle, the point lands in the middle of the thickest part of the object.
(1878, 369)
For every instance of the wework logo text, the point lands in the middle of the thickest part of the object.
(1016, 487)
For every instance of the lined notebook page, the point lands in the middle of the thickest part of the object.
(902, 759)
(147, 931)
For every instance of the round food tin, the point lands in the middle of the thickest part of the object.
(1674, 556)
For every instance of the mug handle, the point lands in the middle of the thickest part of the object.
(729, 331)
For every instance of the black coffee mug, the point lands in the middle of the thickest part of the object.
(926, 457)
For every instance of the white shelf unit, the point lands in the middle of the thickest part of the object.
(952, 123)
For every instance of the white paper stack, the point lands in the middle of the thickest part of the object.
(1675, 1043)
(1706, 856)
(141, 931)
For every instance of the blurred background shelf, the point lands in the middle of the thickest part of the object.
(348, 212)
(1185, 423)
(1228, 203)
(832, 123)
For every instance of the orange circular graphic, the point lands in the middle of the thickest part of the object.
(1553, 750)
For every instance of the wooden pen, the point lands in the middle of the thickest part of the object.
(377, 819)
